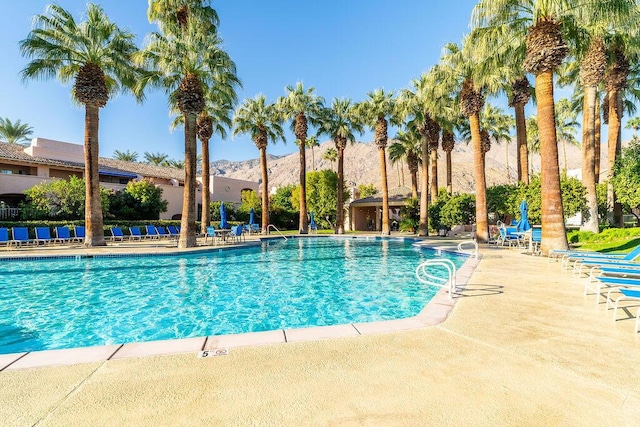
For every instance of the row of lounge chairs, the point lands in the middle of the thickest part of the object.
(18, 236)
(617, 274)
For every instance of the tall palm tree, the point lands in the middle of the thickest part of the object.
(566, 127)
(408, 147)
(544, 26)
(633, 123)
(184, 61)
(303, 106)
(157, 159)
(339, 122)
(127, 156)
(96, 54)
(313, 142)
(264, 123)
(533, 139)
(176, 13)
(499, 126)
(374, 112)
(331, 155)
(14, 133)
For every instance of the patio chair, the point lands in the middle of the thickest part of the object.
(43, 234)
(135, 233)
(63, 235)
(173, 231)
(579, 259)
(211, 232)
(20, 235)
(162, 232)
(628, 294)
(80, 233)
(236, 233)
(117, 234)
(4, 236)
(152, 233)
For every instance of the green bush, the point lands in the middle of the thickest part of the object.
(459, 209)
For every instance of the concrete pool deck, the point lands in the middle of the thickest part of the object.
(522, 346)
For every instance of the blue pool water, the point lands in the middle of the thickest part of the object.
(66, 303)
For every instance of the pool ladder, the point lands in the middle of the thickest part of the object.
(276, 228)
(424, 276)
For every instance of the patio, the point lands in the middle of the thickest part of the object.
(521, 347)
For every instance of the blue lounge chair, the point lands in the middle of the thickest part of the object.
(572, 256)
(63, 235)
(211, 232)
(628, 294)
(4, 236)
(135, 233)
(237, 233)
(117, 234)
(173, 230)
(43, 234)
(162, 232)
(80, 233)
(152, 233)
(20, 235)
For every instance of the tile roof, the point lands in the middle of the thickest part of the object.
(16, 152)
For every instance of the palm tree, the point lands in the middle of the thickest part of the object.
(126, 156)
(184, 61)
(339, 122)
(304, 107)
(499, 127)
(16, 132)
(408, 147)
(633, 123)
(566, 124)
(373, 112)
(157, 159)
(96, 54)
(312, 142)
(331, 155)
(176, 13)
(264, 123)
(533, 139)
(172, 163)
(544, 26)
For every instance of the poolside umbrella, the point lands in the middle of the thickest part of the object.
(223, 216)
(312, 222)
(252, 215)
(523, 224)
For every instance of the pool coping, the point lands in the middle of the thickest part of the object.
(435, 312)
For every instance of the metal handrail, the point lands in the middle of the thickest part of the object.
(424, 277)
(473, 252)
(276, 228)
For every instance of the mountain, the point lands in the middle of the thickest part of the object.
(362, 166)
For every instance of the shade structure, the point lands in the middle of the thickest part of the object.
(312, 222)
(523, 224)
(252, 216)
(223, 216)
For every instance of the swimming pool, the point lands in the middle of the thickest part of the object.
(78, 302)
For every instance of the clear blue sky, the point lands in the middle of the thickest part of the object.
(343, 48)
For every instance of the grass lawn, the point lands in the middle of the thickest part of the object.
(620, 240)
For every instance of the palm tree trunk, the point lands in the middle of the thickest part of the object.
(482, 221)
(522, 151)
(188, 222)
(449, 173)
(340, 210)
(303, 190)
(206, 196)
(265, 189)
(506, 161)
(414, 183)
(564, 155)
(615, 117)
(94, 233)
(313, 158)
(385, 192)
(424, 189)
(588, 159)
(598, 136)
(553, 231)
(434, 175)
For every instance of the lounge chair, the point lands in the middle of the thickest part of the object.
(576, 256)
(117, 234)
(152, 233)
(211, 232)
(237, 233)
(603, 259)
(173, 231)
(80, 233)
(162, 232)
(135, 233)
(508, 236)
(4, 236)
(63, 235)
(628, 294)
(20, 235)
(43, 234)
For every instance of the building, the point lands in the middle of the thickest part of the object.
(366, 214)
(22, 167)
